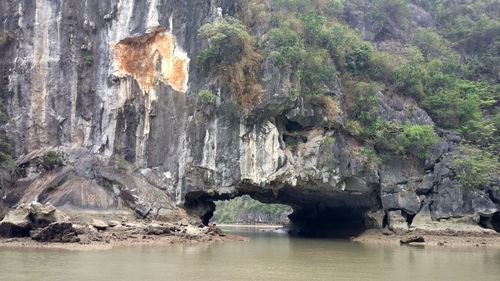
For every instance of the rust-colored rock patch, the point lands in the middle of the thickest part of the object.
(151, 58)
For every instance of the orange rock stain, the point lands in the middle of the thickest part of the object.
(151, 58)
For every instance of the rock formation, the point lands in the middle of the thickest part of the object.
(111, 87)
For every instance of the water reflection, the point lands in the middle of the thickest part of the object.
(265, 257)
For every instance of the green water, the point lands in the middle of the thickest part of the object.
(264, 257)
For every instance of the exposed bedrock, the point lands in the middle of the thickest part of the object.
(105, 116)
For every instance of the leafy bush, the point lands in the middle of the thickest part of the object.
(410, 79)
(370, 156)
(432, 44)
(316, 72)
(349, 52)
(6, 161)
(381, 66)
(51, 160)
(88, 57)
(474, 168)
(453, 102)
(207, 97)
(363, 105)
(288, 46)
(417, 139)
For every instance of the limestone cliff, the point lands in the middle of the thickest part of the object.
(112, 87)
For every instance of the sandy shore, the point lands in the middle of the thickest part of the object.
(375, 236)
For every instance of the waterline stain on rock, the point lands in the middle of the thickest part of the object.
(151, 58)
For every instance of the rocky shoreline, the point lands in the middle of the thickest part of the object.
(447, 238)
(106, 240)
(38, 225)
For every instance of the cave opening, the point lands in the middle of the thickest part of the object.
(490, 221)
(496, 221)
(300, 216)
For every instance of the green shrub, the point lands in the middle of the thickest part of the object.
(51, 160)
(228, 37)
(121, 163)
(474, 168)
(370, 156)
(363, 104)
(316, 72)
(89, 58)
(349, 52)
(410, 79)
(288, 46)
(432, 44)
(417, 139)
(6, 161)
(313, 25)
(207, 97)
(453, 102)
(381, 66)
(353, 127)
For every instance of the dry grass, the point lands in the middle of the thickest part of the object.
(243, 79)
(330, 109)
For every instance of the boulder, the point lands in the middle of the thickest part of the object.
(16, 223)
(374, 219)
(449, 201)
(482, 204)
(425, 185)
(56, 232)
(26, 217)
(412, 239)
(183, 222)
(99, 224)
(157, 229)
(113, 223)
(396, 197)
(397, 222)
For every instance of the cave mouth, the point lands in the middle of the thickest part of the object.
(327, 222)
(310, 219)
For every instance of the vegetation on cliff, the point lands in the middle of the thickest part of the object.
(232, 55)
(449, 68)
(6, 161)
(337, 54)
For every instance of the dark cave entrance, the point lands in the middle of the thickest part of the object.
(310, 215)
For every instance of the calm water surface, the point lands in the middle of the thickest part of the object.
(264, 257)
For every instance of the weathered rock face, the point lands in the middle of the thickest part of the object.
(56, 232)
(111, 86)
(26, 217)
